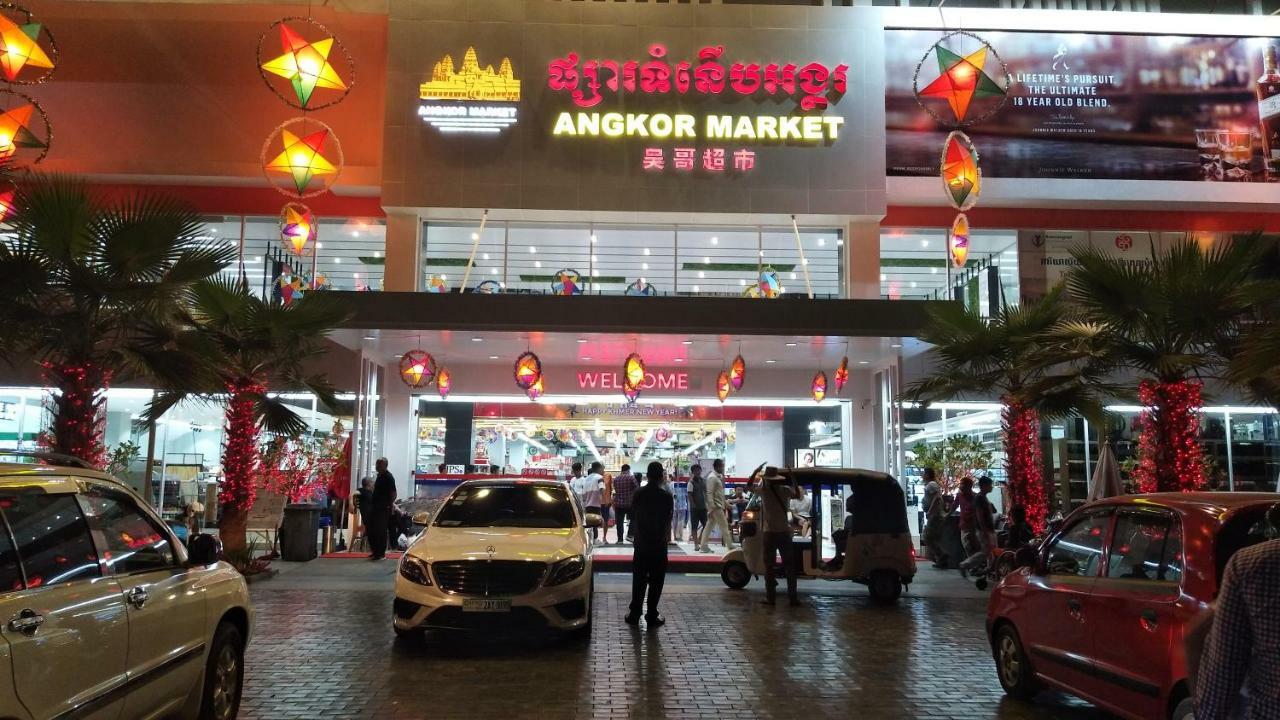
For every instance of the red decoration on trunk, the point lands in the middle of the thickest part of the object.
(77, 411)
(240, 460)
(1170, 458)
(1024, 461)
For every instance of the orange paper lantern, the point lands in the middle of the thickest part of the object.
(723, 387)
(738, 373)
(819, 387)
(444, 382)
(842, 374)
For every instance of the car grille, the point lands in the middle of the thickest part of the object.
(496, 578)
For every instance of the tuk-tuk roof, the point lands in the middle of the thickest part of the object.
(835, 475)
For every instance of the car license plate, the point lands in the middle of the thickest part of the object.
(486, 605)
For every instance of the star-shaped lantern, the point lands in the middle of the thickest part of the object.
(958, 240)
(302, 158)
(305, 64)
(960, 174)
(962, 78)
(417, 368)
(527, 370)
(20, 48)
(15, 130)
(297, 227)
(6, 201)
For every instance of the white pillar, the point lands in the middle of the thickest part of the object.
(862, 259)
(862, 409)
(400, 435)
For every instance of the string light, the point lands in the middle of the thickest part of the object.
(78, 417)
(1024, 463)
(240, 459)
(1170, 458)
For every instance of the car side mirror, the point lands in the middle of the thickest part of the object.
(421, 518)
(204, 549)
(592, 520)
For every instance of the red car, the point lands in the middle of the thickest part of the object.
(1102, 609)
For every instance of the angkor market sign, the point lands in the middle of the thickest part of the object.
(590, 83)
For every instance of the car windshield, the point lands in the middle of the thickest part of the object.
(529, 506)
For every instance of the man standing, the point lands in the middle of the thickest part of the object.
(717, 509)
(697, 503)
(377, 522)
(1243, 650)
(775, 497)
(935, 513)
(651, 508)
(592, 494)
(624, 489)
(984, 528)
(968, 531)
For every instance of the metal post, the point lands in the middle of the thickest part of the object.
(1088, 473)
(1231, 469)
(800, 249)
(506, 244)
(675, 261)
(475, 244)
(164, 466)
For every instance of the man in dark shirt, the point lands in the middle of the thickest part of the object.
(379, 518)
(697, 490)
(624, 492)
(651, 510)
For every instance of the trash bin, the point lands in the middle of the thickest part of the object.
(299, 531)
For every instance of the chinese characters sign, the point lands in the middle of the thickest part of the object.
(688, 159)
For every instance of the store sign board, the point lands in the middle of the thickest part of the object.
(1045, 259)
(655, 119)
(1101, 106)
(593, 379)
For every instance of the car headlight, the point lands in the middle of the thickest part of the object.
(414, 570)
(570, 568)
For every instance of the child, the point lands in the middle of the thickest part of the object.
(1020, 532)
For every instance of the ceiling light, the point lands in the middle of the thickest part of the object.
(355, 233)
(537, 263)
(587, 359)
(319, 246)
(493, 357)
(840, 241)
(475, 236)
(370, 337)
(493, 271)
(593, 238)
(706, 260)
(533, 249)
(742, 282)
(924, 243)
(486, 256)
(883, 277)
(933, 271)
(644, 266)
(337, 261)
(914, 283)
(679, 359)
(896, 345)
(822, 242)
(581, 340)
(791, 344)
(695, 287)
(646, 251)
(443, 276)
(595, 258)
(864, 362)
(770, 362)
(715, 240)
(793, 276)
(701, 275)
(686, 342)
(377, 253)
(477, 339)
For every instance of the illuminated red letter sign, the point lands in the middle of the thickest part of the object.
(593, 379)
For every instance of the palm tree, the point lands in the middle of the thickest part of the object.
(1167, 320)
(83, 284)
(249, 346)
(1009, 355)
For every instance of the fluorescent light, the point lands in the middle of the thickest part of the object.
(525, 437)
(648, 435)
(493, 357)
(591, 445)
(703, 442)
(791, 344)
(686, 342)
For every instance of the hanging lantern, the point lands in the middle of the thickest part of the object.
(640, 288)
(25, 132)
(958, 241)
(25, 45)
(305, 157)
(308, 65)
(770, 286)
(6, 200)
(819, 387)
(662, 434)
(444, 382)
(633, 373)
(723, 386)
(963, 78)
(535, 390)
(567, 282)
(417, 368)
(842, 374)
(528, 371)
(738, 373)
(961, 177)
(564, 436)
(437, 284)
(297, 227)
(631, 394)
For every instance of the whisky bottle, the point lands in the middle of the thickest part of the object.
(1269, 113)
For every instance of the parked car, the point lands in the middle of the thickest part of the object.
(1102, 609)
(105, 613)
(499, 554)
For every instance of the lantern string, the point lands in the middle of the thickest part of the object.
(800, 249)
(243, 279)
(475, 244)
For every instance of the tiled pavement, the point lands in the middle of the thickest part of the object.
(330, 653)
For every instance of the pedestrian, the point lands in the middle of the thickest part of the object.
(364, 501)
(606, 507)
(624, 489)
(1243, 650)
(680, 494)
(964, 503)
(697, 489)
(935, 513)
(775, 497)
(382, 500)
(984, 528)
(717, 509)
(652, 508)
(592, 492)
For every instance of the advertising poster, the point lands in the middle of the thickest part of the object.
(1100, 106)
(1044, 256)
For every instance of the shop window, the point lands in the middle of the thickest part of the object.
(915, 265)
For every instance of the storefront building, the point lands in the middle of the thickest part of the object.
(690, 182)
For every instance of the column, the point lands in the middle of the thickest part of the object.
(862, 259)
(403, 268)
(400, 435)
(863, 446)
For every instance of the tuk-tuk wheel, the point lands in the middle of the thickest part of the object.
(735, 574)
(885, 586)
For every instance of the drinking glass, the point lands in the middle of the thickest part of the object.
(1210, 154)
(1237, 155)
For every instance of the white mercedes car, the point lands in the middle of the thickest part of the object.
(499, 554)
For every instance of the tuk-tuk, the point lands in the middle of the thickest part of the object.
(877, 549)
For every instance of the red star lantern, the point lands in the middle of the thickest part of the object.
(305, 64)
(23, 45)
(962, 78)
(417, 368)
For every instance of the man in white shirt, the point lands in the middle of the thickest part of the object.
(592, 494)
(717, 510)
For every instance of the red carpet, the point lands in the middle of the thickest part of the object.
(348, 555)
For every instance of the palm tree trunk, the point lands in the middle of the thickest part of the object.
(78, 420)
(1024, 463)
(240, 463)
(1170, 458)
